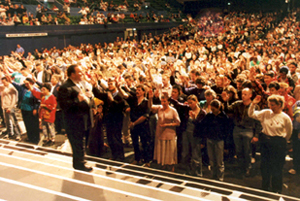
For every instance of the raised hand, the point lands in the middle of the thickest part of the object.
(257, 99)
(110, 97)
(156, 93)
(252, 74)
(28, 85)
(33, 77)
(150, 94)
(225, 96)
(118, 83)
(165, 94)
(93, 81)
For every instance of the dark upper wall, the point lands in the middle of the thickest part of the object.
(193, 7)
(62, 36)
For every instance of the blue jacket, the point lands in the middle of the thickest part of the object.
(22, 90)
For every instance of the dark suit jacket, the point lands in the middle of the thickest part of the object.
(75, 112)
(55, 90)
(46, 76)
(113, 110)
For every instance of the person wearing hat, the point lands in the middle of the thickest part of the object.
(284, 77)
(46, 111)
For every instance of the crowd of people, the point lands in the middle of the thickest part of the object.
(88, 16)
(16, 14)
(189, 96)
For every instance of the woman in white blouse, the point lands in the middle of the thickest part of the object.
(277, 129)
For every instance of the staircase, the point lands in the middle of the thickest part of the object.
(30, 172)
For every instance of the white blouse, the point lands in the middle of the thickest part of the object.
(273, 124)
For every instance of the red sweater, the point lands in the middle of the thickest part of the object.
(50, 106)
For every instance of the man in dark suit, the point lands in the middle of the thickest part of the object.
(114, 106)
(59, 122)
(76, 104)
(41, 74)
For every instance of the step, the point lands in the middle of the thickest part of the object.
(38, 168)
(177, 182)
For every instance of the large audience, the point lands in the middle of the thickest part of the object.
(211, 70)
(91, 13)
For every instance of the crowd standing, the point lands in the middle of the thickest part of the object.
(191, 96)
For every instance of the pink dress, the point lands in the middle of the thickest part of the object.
(165, 148)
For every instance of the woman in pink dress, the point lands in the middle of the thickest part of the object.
(165, 148)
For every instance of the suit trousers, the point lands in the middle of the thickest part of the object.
(114, 138)
(77, 142)
(136, 132)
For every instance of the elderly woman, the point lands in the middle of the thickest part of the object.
(277, 129)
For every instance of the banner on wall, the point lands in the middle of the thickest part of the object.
(21, 35)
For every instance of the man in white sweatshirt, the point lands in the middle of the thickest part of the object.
(9, 98)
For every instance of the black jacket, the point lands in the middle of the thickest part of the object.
(112, 110)
(75, 112)
(214, 127)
